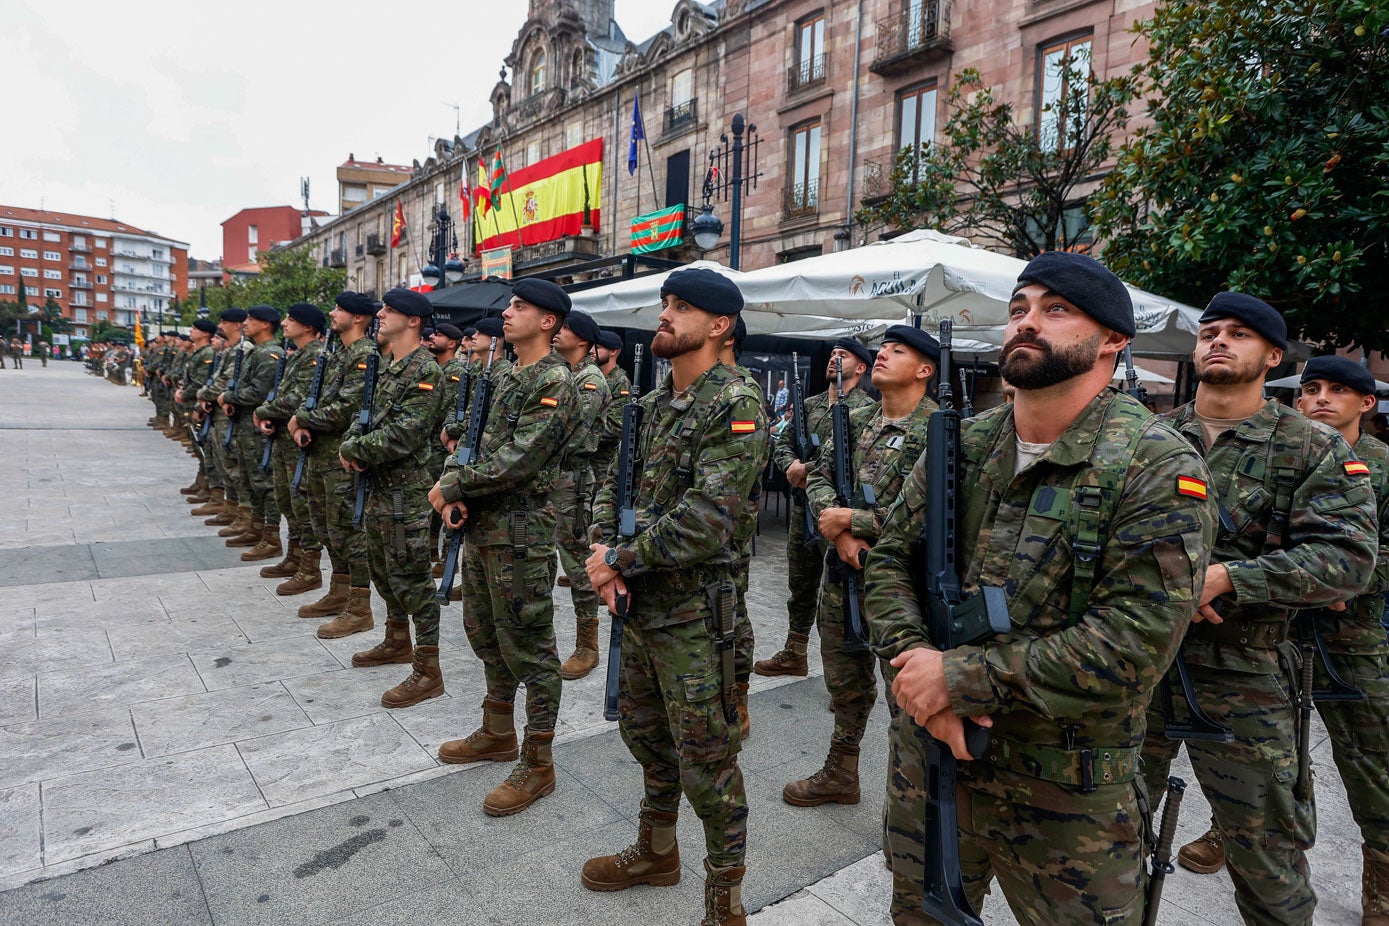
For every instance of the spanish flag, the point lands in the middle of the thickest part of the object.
(1190, 485)
(1356, 468)
(550, 197)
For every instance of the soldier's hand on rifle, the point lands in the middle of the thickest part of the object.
(949, 729)
(1217, 583)
(920, 683)
(455, 515)
(599, 572)
(835, 521)
(436, 498)
(796, 475)
(266, 427)
(349, 467)
(851, 549)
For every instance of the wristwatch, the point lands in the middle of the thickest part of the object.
(610, 558)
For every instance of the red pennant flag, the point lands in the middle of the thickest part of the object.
(397, 224)
(465, 196)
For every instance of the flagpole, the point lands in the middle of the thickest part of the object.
(650, 169)
(511, 195)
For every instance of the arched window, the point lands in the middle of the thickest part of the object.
(538, 72)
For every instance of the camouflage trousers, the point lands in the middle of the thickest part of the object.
(805, 565)
(1360, 741)
(293, 505)
(510, 622)
(397, 541)
(672, 719)
(570, 502)
(848, 676)
(1061, 856)
(744, 642)
(1249, 781)
(220, 459)
(330, 511)
(257, 488)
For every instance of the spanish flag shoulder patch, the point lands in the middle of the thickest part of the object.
(591, 387)
(744, 427)
(1356, 468)
(426, 387)
(453, 379)
(1190, 485)
(549, 401)
(625, 392)
(361, 366)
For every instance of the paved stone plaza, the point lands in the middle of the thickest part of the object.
(177, 747)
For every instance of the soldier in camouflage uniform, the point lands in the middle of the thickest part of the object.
(701, 442)
(509, 556)
(1052, 809)
(303, 326)
(887, 439)
(1337, 392)
(444, 344)
(173, 378)
(202, 363)
(805, 556)
(606, 352)
(231, 517)
(393, 453)
(1303, 536)
(573, 494)
(329, 488)
(257, 488)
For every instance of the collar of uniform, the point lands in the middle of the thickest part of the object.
(397, 365)
(1256, 429)
(1076, 443)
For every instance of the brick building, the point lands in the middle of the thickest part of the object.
(834, 87)
(360, 182)
(257, 229)
(94, 269)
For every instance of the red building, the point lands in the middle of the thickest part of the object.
(251, 231)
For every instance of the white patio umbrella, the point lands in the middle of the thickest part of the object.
(1294, 381)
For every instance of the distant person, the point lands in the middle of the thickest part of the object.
(783, 397)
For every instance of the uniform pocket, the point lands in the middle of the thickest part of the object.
(705, 736)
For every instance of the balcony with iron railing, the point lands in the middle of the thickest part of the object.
(376, 244)
(912, 37)
(808, 72)
(681, 116)
(79, 284)
(801, 200)
(80, 264)
(337, 258)
(80, 248)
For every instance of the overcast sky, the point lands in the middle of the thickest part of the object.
(173, 116)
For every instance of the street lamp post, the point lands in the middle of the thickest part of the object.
(731, 168)
(202, 301)
(444, 267)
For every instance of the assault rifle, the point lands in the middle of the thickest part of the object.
(205, 425)
(952, 619)
(232, 384)
(320, 368)
(846, 496)
(803, 443)
(1131, 384)
(270, 397)
(625, 502)
(469, 449)
(359, 479)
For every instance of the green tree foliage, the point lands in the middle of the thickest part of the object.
(987, 174)
(52, 318)
(1265, 168)
(287, 277)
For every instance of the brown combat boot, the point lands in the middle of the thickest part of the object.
(835, 783)
(437, 571)
(267, 546)
(306, 578)
(494, 741)
(426, 680)
(585, 655)
(201, 497)
(255, 529)
(562, 581)
(214, 506)
(723, 896)
(193, 487)
(744, 718)
(653, 859)
(225, 516)
(285, 567)
(1205, 855)
(394, 650)
(531, 779)
(355, 618)
(331, 603)
(1374, 887)
(240, 522)
(790, 661)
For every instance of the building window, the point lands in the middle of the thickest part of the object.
(532, 153)
(52, 255)
(252, 235)
(6, 231)
(6, 270)
(803, 196)
(7, 289)
(101, 262)
(916, 119)
(79, 241)
(54, 293)
(682, 87)
(101, 242)
(29, 234)
(157, 254)
(573, 135)
(537, 83)
(79, 298)
(30, 253)
(6, 252)
(28, 271)
(1062, 91)
(809, 52)
(251, 254)
(79, 315)
(52, 236)
(53, 274)
(100, 297)
(101, 278)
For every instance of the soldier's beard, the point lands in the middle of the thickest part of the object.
(668, 345)
(1051, 367)
(1228, 375)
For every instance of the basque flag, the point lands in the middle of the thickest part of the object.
(638, 133)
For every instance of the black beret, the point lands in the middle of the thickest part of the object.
(184, 337)
(1341, 370)
(543, 295)
(583, 326)
(356, 303)
(448, 331)
(610, 340)
(916, 339)
(491, 327)
(235, 316)
(408, 302)
(306, 313)
(469, 331)
(1255, 313)
(704, 289)
(1085, 283)
(426, 332)
(858, 349)
(168, 334)
(264, 313)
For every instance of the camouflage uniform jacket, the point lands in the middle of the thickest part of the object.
(700, 451)
(404, 410)
(591, 423)
(884, 450)
(1357, 629)
(458, 427)
(198, 371)
(818, 422)
(533, 410)
(1328, 546)
(452, 372)
(176, 368)
(1071, 674)
(620, 390)
(257, 374)
(294, 384)
(226, 369)
(341, 400)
